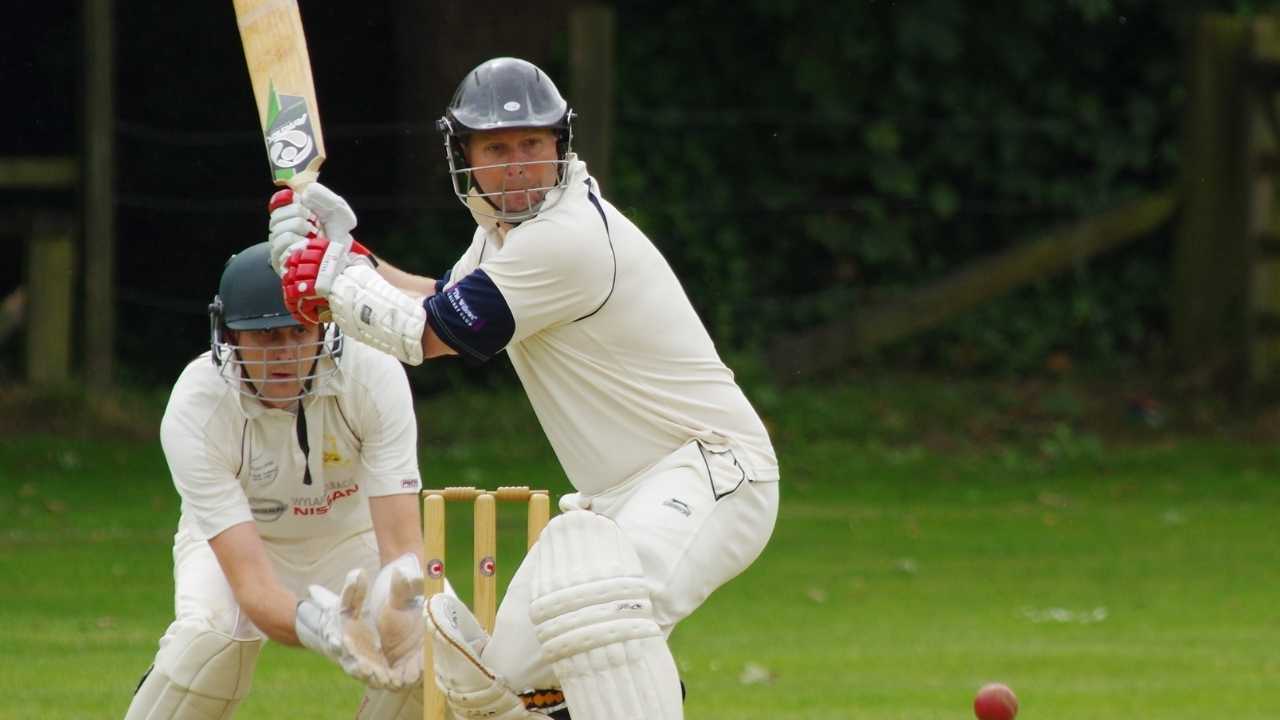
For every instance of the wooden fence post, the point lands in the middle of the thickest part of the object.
(1210, 301)
(1264, 240)
(591, 88)
(51, 262)
(99, 191)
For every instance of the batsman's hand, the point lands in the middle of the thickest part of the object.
(332, 626)
(297, 217)
(396, 605)
(309, 273)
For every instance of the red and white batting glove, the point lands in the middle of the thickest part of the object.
(290, 227)
(309, 273)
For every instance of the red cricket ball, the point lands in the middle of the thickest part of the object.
(995, 701)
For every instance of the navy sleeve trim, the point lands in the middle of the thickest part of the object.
(472, 317)
(613, 282)
(443, 280)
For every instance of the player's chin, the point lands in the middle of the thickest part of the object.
(281, 389)
(519, 202)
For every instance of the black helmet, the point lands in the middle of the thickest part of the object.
(505, 93)
(499, 94)
(249, 295)
(249, 298)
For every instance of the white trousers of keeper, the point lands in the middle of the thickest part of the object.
(207, 656)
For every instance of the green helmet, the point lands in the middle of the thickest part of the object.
(249, 298)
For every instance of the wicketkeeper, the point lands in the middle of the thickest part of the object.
(676, 479)
(295, 454)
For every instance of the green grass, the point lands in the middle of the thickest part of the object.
(933, 537)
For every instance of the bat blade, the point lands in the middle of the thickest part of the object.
(275, 50)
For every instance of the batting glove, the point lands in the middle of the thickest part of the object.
(297, 217)
(331, 625)
(309, 273)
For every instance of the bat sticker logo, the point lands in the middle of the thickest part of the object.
(290, 139)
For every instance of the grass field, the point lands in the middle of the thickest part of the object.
(931, 539)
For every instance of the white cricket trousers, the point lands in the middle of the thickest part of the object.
(204, 601)
(695, 521)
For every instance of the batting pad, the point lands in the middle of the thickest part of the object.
(593, 615)
(198, 673)
(469, 686)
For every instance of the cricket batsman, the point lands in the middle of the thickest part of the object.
(676, 478)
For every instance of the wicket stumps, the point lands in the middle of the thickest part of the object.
(484, 550)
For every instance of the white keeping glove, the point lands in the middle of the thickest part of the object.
(297, 217)
(395, 602)
(331, 625)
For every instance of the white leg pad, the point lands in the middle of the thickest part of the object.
(593, 615)
(471, 689)
(199, 674)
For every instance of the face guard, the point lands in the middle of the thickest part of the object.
(311, 363)
(505, 93)
(249, 298)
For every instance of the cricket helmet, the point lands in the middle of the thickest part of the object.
(249, 298)
(499, 94)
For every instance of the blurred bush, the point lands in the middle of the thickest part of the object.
(795, 160)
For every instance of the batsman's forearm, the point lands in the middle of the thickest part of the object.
(410, 284)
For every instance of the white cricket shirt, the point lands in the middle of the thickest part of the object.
(234, 460)
(616, 362)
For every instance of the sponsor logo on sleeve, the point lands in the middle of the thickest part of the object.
(460, 306)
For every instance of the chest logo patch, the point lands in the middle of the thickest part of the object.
(266, 509)
(262, 470)
(332, 456)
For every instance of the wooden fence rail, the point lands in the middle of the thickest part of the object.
(797, 356)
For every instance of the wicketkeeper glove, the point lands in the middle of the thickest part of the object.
(332, 626)
(395, 603)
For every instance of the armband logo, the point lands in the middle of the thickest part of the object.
(460, 306)
(366, 315)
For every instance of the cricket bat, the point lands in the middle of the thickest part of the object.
(275, 50)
